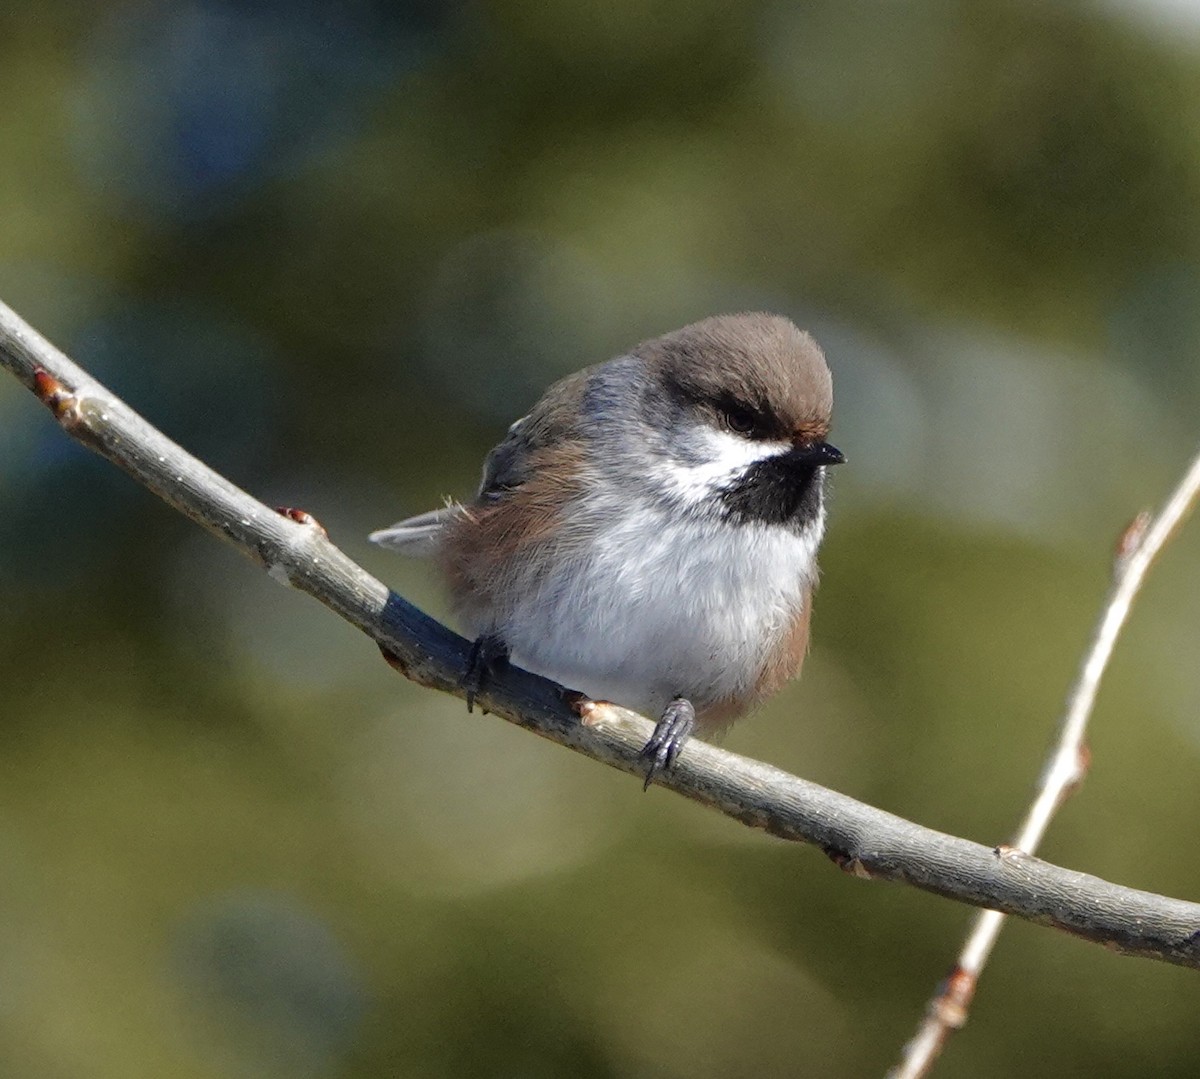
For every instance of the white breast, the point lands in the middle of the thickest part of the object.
(657, 603)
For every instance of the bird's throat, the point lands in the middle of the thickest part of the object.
(779, 490)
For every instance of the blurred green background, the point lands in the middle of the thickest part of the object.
(334, 249)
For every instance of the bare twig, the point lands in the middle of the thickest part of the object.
(862, 840)
(1065, 769)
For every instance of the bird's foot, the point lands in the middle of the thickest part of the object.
(676, 726)
(487, 656)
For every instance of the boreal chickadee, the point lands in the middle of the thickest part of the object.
(648, 533)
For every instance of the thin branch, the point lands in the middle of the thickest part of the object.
(862, 840)
(1064, 771)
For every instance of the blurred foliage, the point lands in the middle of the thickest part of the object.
(334, 249)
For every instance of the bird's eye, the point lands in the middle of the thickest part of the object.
(741, 420)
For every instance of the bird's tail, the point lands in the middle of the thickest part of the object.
(418, 536)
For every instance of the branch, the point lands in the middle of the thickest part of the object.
(1064, 772)
(862, 840)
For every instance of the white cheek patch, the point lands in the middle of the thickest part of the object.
(726, 456)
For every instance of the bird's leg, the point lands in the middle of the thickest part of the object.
(488, 654)
(676, 726)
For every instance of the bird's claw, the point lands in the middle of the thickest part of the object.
(673, 729)
(488, 654)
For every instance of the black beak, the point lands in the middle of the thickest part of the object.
(820, 453)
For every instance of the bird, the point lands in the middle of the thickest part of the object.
(648, 533)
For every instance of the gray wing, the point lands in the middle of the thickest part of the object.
(504, 466)
(551, 421)
(503, 469)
